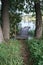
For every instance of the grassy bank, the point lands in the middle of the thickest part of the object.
(10, 53)
(36, 51)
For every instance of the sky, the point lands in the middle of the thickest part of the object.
(0, 2)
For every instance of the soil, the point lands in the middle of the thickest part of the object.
(25, 52)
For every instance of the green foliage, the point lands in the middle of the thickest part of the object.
(36, 51)
(16, 4)
(10, 53)
(14, 19)
(31, 32)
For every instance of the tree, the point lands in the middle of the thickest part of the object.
(38, 31)
(37, 9)
(1, 35)
(5, 18)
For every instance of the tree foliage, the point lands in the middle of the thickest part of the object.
(14, 19)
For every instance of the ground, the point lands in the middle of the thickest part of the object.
(25, 52)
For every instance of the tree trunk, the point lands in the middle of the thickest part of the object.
(5, 19)
(38, 31)
(1, 35)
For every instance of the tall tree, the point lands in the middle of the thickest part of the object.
(5, 18)
(1, 35)
(38, 31)
(37, 9)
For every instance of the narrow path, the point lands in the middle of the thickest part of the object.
(25, 52)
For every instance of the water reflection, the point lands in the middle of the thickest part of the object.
(26, 29)
(30, 24)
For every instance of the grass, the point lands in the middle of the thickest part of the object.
(36, 51)
(10, 53)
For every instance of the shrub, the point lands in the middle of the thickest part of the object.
(31, 32)
(10, 53)
(36, 51)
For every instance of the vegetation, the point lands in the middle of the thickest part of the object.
(10, 53)
(36, 51)
(14, 20)
(12, 6)
(31, 33)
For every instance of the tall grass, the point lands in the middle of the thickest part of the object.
(10, 53)
(36, 51)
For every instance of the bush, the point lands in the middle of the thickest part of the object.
(36, 51)
(31, 32)
(10, 53)
(14, 19)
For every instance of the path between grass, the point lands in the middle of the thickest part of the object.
(25, 52)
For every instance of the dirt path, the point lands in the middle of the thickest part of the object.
(25, 52)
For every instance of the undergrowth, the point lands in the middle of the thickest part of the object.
(10, 53)
(36, 51)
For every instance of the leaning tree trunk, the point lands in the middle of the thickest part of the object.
(5, 19)
(1, 35)
(38, 31)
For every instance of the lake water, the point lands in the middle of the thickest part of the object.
(30, 24)
(24, 28)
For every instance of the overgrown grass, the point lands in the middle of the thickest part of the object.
(10, 53)
(36, 51)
